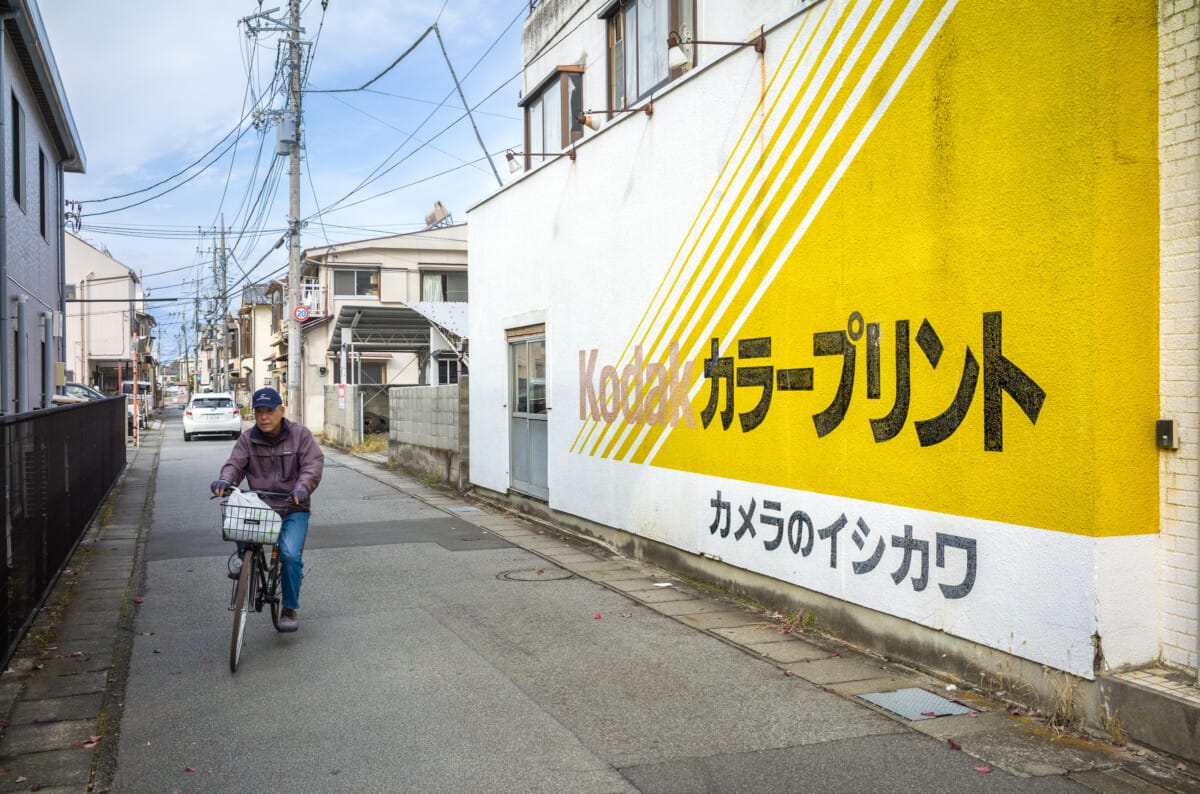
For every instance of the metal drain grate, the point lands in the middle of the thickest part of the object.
(915, 704)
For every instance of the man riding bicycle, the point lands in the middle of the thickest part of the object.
(283, 457)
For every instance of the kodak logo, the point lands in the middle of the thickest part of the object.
(650, 393)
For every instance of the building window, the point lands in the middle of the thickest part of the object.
(444, 287)
(447, 371)
(637, 45)
(18, 152)
(552, 112)
(372, 374)
(43, 190)
(356, 283)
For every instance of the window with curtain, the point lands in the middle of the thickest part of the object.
(444, 286)
(552, 111)
(637, 46)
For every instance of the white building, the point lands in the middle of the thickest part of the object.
(869, 308)
(103, 321)
(364, 293)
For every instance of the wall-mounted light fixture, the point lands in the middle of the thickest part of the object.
(678, 58)
(515, 165)
(588, 117)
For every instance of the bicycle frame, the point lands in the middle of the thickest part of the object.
(266, 575)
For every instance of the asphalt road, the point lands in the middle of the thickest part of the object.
(419, 666)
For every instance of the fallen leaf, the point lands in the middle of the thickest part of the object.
(78, 653)
(833, 654)
(190, 769)
(541, 571)
(39, 667)
(21, 779)
(831, 691)
(788, 673)
(626, 614)
(983, 770)
(953, 744)
(52, 647)
(597, 616)
(1181, 767)
(36, 787)
(972, 713)
(928, 714)
(137, 599)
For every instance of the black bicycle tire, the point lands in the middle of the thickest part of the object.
(242, 603)
(273, 591)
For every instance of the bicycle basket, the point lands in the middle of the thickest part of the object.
(249, 524)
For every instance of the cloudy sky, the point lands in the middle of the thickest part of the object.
(159, 89)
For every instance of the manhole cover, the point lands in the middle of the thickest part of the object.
(535, 575)
(915, 704)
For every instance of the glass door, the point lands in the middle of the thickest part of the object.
(527, 416)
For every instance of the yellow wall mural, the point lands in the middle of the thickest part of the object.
(926, 276)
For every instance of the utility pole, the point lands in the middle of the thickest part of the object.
(194, 381)
(290, 122)
(226, 383)
(295, 353)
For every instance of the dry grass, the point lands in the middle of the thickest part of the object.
(377, 442)
(1065, 713)
(791, 624)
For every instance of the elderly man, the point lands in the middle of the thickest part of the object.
(280, 456)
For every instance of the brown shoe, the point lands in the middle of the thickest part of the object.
(288, 620)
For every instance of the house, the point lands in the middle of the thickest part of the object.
(106, 319)
(384, 311)
(40, 144)
(867, 309)
(258, 314)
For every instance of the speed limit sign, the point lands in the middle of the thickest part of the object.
(301, 313)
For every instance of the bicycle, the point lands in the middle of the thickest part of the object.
(257, 585)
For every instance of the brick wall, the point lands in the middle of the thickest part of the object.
(1179, 315)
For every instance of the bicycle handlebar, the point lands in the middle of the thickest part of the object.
(227, 491)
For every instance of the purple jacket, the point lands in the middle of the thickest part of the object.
(292, 459)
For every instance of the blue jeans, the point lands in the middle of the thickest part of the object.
(291, 547)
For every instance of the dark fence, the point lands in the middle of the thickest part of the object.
(58, 466)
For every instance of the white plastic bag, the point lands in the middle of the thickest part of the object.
(248, 519)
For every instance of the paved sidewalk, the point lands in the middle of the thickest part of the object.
(62, 696)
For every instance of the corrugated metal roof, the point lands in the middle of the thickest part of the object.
(447, 315)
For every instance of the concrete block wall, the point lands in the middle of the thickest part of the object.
(424, 431)
(1179, 327)
(341, 421)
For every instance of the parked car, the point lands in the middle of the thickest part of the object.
(211, 413)
(76, 393)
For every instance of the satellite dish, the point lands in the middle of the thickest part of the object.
(439, 217)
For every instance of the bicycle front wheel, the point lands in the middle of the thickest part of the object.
(273, 588)
(243, 605)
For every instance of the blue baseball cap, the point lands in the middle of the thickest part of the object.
(266, 398)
